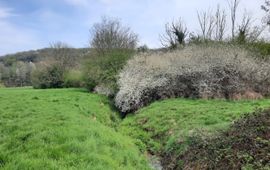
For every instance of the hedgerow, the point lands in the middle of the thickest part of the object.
(221, 71)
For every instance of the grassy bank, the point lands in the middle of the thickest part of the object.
(245, 145)
(73, 129)
(167, 125)
(62, 129)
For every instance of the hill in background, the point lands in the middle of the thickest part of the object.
(38, 55)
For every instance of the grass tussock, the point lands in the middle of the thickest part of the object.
(194, 72)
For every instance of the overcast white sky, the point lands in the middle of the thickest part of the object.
(33, 24)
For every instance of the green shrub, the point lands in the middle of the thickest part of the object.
(73, 78)
(263, 48)
(48, 77)
(36, 78)
(101, 69)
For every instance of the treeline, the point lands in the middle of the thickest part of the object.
(17, 74)
(16, 69)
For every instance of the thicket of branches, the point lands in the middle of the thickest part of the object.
(213, 25)
(111, 34)
(266, 8)
(175, 34)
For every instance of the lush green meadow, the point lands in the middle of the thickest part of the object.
(62, 129)
(167, 125)
(74, 129)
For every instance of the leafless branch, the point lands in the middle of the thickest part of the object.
(207, 24)
(175, 34)
(110, 34)
(233, 5)
(220, 23)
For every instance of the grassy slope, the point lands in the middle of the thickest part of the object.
(71, 129)
(166, 125)
(245, 145)
(62, 129)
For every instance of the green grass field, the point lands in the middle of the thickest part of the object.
(163, 124)
(62, 129)
(73, 129)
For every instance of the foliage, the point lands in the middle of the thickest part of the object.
(160, 125)
(16, 69)
(113, 44)
(102, 69)
(245, 144)
(262, 48)
(51, 73)
(17, 74)
(35, 56)
(204, 71)
(62, 129)
(73, 78)
(48, 77)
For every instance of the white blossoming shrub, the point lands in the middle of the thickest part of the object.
(194, 72)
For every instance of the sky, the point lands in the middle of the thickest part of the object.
(34, 24)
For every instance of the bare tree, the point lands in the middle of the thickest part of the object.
(233, 5)
(255, 33)
(207, 24)
(62, 54)
(243, 29)
(220, 23)
(247, 32)
(111, 34)
(175, 34)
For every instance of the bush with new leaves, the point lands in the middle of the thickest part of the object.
(101, 70)
(112, 44)
(73, 78)
(48, 77)
(195, 72)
